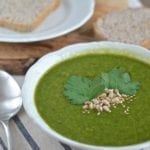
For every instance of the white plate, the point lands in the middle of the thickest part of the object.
(70, 15)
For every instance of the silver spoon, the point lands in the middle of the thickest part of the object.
(10, 102)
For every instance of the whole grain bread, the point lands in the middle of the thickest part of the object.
(129, 26)
(25, 15)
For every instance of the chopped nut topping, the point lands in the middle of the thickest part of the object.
(107, 100)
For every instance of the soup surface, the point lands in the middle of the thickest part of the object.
(111, 129)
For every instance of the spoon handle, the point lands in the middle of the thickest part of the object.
(8, 135)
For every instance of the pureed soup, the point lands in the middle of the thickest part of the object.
(126, 123)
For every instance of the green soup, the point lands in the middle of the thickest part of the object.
(108, 129)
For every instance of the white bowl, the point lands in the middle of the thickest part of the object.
(42, 65)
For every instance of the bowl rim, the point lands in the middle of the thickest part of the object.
(60, 53)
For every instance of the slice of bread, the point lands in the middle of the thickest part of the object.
(129, 26)
(102, 8)
(25, 15)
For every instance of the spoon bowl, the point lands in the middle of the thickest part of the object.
(10, 101)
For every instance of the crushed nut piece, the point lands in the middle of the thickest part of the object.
(104, 102)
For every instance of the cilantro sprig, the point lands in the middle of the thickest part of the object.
(119, 79)
(80, 89)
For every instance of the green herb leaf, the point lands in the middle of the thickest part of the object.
(121, 80)
(79, 89)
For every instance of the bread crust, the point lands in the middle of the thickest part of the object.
(146, 43)
(35, 23)
(98, 30)
(102, 8)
